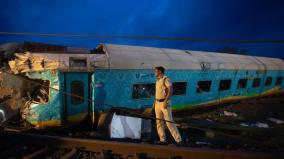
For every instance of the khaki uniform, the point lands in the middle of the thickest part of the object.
(162, 113)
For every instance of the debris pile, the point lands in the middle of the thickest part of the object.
(10, 96)
(18, 91)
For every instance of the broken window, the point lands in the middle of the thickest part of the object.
(78, 62)
(203, 86)
(256, 82)
(242, 83)
(268, 81)
(143, 91)
(225, 85)
(77, 91)
(279, 81)
(38, 90)
(179, 88)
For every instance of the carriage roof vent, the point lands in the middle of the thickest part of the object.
(77, 61)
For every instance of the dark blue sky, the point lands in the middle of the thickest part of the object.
(228, 19)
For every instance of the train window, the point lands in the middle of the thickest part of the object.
(279, 81)
(179, 88)
(225, 85)
(242, 83)
(256, 82)
(143, 91)
(268, 81)
(78, 62)
(203, 86)
(77, 89)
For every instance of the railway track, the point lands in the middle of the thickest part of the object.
(29, 144)
(24, 145)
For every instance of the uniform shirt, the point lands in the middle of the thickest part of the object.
(160, 87)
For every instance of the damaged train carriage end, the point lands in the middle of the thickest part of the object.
(55, 86)
(17, 90)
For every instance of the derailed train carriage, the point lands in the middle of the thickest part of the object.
(79, 85)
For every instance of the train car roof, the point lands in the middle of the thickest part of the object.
(138, 57)
(111, 56)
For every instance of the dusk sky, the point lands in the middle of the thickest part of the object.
(225, 19)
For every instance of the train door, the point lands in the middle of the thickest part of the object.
(76, 97)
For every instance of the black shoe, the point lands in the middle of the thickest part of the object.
(161, 143)
(180, 144)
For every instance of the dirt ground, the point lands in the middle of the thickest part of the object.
(254, 124)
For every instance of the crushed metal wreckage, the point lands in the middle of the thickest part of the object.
(27, 62)
(11, 96)
(18, 92)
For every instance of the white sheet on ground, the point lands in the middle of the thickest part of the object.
(125, 127)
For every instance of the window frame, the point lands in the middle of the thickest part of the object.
(73, 97)
(219, 89)
(265, 83)
(210, 88)
(155, 90)
(246, 83)
(259, 83)
(132, 91)
(185, 88)
(277, 82)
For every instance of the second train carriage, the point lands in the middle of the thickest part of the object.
(122, 76)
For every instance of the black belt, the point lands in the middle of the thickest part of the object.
(160, 100)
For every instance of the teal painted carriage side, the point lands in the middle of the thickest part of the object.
(114, 87)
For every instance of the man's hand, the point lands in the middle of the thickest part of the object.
(165, 104)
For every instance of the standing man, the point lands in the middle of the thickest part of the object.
(163, 107)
